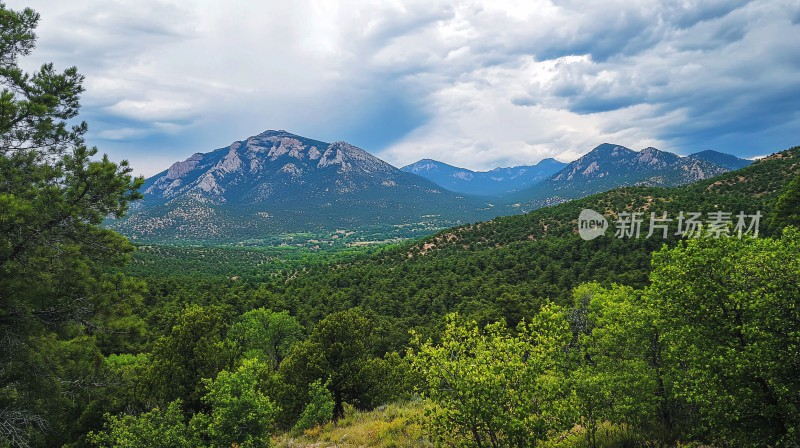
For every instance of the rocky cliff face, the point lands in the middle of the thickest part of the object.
(265, 166)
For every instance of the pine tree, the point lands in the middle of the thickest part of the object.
(54, 256)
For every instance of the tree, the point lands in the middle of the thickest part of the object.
(616, 377)
(54, 256)
(338, 350)
(265, 334)
(193, 351)
(496, 388)
(729, 315)
(319, 409)
(156, 428)
(124, 391)
(241, 414)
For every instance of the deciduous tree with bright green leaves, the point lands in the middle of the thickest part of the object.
(241, 413)
(157, 428)
(729, 314)
(496, 388)
(616, 373)
(319, 409)
(265, 334)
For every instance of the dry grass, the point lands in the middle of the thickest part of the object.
(400, 425)
(396, 425)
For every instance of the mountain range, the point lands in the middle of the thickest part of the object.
(277, 182)
(496, 182)
(277, 186)
(611, 166)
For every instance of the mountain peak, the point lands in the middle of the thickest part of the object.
(611, 149)
(277, 181)
(709, 152)
(422, 166)
(273, 133)
(495, 182)
(720, 158)
(348, 156)
(179, 169)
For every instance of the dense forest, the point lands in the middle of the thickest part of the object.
(513, 332)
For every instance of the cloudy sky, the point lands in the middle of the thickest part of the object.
(477, 84)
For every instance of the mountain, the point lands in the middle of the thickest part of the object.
(720, 158)
(277, 182)
(610, 166)
(496, 182)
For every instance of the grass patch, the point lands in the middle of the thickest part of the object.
(397, 425)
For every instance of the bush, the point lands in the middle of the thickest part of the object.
(319, 409)
(241, 414)
(155, 428)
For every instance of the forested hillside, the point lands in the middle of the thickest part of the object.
(611, 166)
(509, 266)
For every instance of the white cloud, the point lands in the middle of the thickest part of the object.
(476, 84)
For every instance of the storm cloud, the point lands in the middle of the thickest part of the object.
(477, 84)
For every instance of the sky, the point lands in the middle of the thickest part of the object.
(477, 84)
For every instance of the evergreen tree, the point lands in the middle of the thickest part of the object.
(54, 257)
(339, 350)
(193, 351)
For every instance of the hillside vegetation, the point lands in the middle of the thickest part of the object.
(508, 267)
(555, 341)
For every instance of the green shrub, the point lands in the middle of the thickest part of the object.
(319, 409)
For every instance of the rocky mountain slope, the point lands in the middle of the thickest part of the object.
(277, 182)
(610, 166)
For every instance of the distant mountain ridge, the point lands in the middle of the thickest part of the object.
(496, 182)
(728, 161)
(610, 166)
(279, 182)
